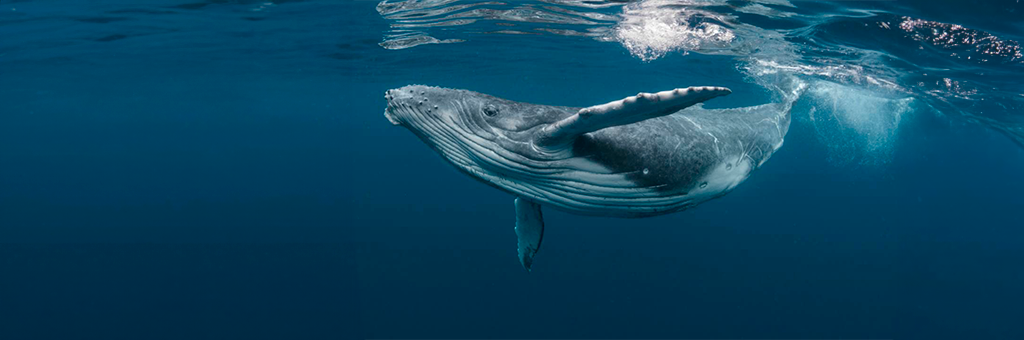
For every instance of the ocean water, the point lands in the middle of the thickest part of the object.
(223, 169)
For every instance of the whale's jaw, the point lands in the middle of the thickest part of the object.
(389, 111)
(443, 119)
(391, 118)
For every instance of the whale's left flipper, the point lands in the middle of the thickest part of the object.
(629, 110)
(529, 229)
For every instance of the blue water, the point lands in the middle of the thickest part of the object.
(223, 169)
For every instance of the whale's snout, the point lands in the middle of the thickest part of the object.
(410, 104)
(389, 112)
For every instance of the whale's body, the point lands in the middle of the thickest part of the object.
(642, 156)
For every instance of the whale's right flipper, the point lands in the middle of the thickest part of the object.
(630, 110)
(529, 229)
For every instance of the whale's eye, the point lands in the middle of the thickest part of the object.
(490, 111)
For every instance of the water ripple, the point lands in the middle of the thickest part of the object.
(412, 22)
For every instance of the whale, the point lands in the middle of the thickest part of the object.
(641, 156)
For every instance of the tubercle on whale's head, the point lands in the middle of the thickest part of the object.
(407, 102)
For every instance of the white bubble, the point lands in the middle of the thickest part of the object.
(650, 29)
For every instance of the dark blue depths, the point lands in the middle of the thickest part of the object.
(218, 170)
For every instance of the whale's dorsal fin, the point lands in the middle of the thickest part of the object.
(630, 110)
(529, 230)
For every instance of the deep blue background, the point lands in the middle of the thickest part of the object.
(208, 172)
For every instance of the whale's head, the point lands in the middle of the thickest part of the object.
(480, 134)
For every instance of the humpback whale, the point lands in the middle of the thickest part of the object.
(645, 155)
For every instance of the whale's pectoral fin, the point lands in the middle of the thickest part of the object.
(630, 110)
(529, 229)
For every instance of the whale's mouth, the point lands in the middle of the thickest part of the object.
(391, 117)
(389, 111)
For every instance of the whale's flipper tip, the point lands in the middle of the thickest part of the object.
(529, 230)
(526, 261)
